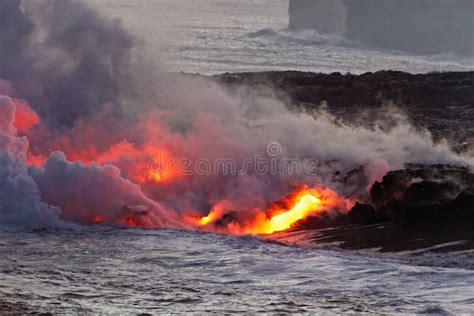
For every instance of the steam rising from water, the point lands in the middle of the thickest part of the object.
(83, 113)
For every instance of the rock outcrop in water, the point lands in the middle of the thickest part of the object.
(420, 26)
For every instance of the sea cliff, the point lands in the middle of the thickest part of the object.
(419, 26)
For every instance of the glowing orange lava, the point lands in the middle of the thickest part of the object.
(150, 163)
(304, 207)
(209, 218)
(283, 215)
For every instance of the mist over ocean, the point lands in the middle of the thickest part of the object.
(217, 36)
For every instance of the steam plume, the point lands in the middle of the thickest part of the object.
(89, 123)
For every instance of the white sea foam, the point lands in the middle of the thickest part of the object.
(212, 37)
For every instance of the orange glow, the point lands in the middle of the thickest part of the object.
(148, 154)
(116, 151)
(155, 166)
(213, 215)
(35, 160)
(283, 215)
(208, 219)
(133, 218)
(145, 161)
(25, 117)
(131, 221)
(304, 207)
(97, 219)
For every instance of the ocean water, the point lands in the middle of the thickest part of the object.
(217, 36)
(113, 270)
(116, 270)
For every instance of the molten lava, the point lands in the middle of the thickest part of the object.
(209, 218)
(280, 216)
(305, 206)
(139, 168)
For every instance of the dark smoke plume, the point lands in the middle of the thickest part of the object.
(63, 59)
(82, 114)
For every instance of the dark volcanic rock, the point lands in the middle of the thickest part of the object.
(422, 182)
(363, 214)
(431, 191)
(434, 90)
(426, 212)
(441, 102)
(322, 220)
(425, 195)
(417, 207)
(226, 219)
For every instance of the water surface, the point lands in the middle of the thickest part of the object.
(216, 36)
(117, 270)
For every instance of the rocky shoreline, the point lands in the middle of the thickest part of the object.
(441, 102)
(420, 207)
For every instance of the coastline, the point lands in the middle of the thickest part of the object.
(425, 223)
(442, 102)
(383, 241)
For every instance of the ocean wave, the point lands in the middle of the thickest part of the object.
(301, 37)
(98, 270)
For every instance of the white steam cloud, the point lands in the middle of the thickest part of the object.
(101, 124)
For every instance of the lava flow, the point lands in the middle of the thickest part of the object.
(93, 133)
(280, 216)
(136, 177)
(307, 204)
